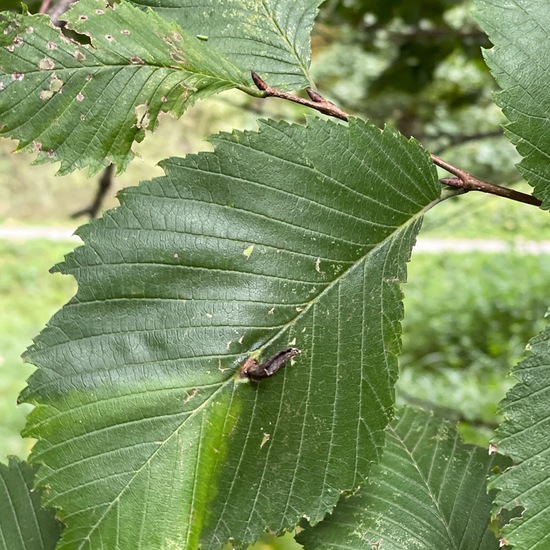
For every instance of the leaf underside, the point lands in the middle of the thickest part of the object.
(429, 492)
(84, 105)
(520, 63)
(524, 437)
(270, 37)
(146, 431)
(24, 525)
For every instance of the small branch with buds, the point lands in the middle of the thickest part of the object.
(462, 180)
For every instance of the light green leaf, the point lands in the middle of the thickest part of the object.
(524, 437)
(429, 492)
(147, 433)
(270, 37)
(520, 62)
(24, 524)
(85, 105)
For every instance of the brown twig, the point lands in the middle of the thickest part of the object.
(319, 103)
(463, 179)
(59, 8)
(468, 182)
(105, 183)
(44, 6)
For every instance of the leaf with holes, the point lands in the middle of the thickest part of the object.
(84, 105)
(148, 432)
(429, 492)
(524, 437)
(520, 62)
(270, 37)
(24, 524)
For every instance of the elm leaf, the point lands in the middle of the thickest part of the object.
(270, 37)
(520, 63)
(84, 105)
(523, 436)
(147, 432)
(429, 492)
(24, 524)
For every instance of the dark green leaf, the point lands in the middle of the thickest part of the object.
(24, 524)
(293, 236)
(520, 31)
(524, 437)
(428, 493)
(85, 105)
(270, 37)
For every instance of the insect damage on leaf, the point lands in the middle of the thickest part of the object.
(258, 371)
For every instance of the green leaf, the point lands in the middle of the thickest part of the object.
(270, 37)
(524, 437)
(520, 31)
(24, 524)
(146, 430)
(428, 493)
(85, 105)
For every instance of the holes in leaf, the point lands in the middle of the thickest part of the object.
(142, 115)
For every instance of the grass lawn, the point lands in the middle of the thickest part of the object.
(29, 296)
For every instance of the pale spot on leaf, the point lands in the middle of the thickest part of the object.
(265, 439)
(18, 76)
(191, 394)
(248, 251)
(56, 85)
(80, 96)
(45, 94)
(46, 64)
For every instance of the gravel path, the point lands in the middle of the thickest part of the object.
(426, 245)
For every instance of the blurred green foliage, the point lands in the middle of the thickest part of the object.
(415, 65)
(468, 318)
